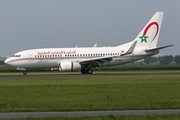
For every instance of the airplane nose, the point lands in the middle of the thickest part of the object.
(6, 61)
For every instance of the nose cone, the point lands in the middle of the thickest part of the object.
(6, 61)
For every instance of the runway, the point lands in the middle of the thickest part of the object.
(88, 113)
(89, 75)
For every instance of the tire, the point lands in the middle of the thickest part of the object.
(89, 71)
(24, 73)
(83, 71)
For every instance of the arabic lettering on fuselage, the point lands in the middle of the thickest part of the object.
(56, 52)
(69, 52)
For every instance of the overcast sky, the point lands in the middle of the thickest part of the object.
(29, 24)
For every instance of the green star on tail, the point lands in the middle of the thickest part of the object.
(143, 38)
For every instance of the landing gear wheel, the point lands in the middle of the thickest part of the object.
(83, 71)
(89, 71)
(24, 72)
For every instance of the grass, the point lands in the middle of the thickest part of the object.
(89, 93)
(109, 117)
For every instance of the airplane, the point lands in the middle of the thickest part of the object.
(83, 59)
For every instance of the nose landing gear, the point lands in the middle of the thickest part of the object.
(24, 72)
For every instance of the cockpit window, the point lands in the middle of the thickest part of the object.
(16, 55)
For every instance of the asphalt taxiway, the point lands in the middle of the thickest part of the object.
(88, 113)
(89, 75)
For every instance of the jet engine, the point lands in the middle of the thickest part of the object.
(68, 67)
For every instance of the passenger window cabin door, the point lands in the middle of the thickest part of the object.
(30, 56)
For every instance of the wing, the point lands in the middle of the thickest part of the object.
(96, 62)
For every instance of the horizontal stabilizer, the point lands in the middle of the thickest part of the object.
(157, 49)
(131, 49)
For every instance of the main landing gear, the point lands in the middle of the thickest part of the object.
(24, 72)
(88, 71)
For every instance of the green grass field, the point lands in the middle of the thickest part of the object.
(89, 93)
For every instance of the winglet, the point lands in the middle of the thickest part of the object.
(131, 49)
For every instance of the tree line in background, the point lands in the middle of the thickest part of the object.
(162, 60)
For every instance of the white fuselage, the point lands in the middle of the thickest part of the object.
(50, 58)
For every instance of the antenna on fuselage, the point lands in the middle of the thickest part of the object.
(95, 45)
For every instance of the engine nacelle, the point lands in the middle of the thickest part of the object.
(68, 67)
